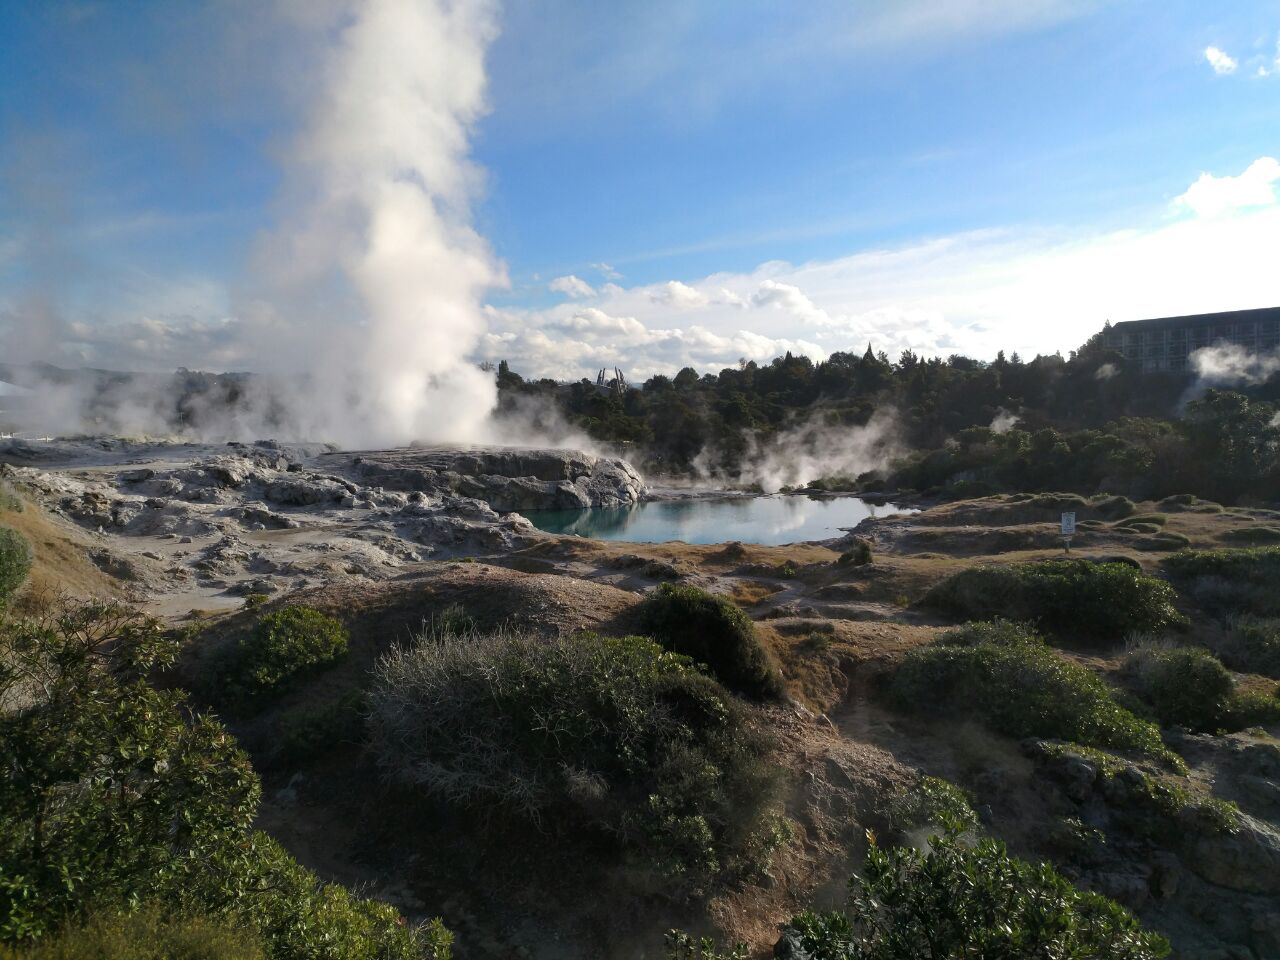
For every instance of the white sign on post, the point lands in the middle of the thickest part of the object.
(1069, 524)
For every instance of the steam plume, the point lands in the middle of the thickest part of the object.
(365, 299)
(373, 278)
(1229, 363)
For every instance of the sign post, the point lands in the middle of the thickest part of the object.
(1068, 529)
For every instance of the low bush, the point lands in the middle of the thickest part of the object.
(1151, 519)
(1183, 686)
(858, 555)
(1136, 527)
(1102, 601)
(283, 646)
(15, 563)
(615, 740)
(1251, 708)
(1252, 645)
(1163, 541)
(957, 900)
(1000, 632)
(1186, 503)
(715, 632)
(1253, 536)
(1112, 508)
(1020, 689)
(932, 802)
(152, 934)
(1229, 581)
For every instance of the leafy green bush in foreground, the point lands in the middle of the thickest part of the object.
(615, 739)
(114, 794)
(712, 630)
(954, 900)
(1021, 690)
(15, 563)
(1103, 601)
(284, 646)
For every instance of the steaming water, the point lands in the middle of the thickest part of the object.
(767, 520)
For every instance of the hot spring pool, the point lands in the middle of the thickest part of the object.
(768, 520)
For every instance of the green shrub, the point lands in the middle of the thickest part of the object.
(1020, 690)
(1000, 632)
(1183, 686)
(151, 934)
(858, 555)
(1229, 581)
(1070, 597)
(715, 632)
(932, 802)
(591, 737)
(114, 794)
(1253, 536)
(1250, 709)
(956, 900)
(1112, 508)
(1136, 527)
(15, 563)
(1149, 519)
(1252, 645)
(282, 647)
(681, 946)
(1163, 540)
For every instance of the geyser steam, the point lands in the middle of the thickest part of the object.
(373, 280)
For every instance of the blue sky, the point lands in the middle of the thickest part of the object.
(936, 174)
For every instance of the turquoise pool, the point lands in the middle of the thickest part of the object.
(768, 520)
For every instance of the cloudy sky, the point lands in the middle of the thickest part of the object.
(671, 183)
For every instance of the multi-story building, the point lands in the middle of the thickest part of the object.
(1164, 344)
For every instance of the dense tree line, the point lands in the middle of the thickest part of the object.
(1090, 422)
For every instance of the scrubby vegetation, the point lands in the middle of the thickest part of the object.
(713, 631)
(283, 646)
(958, 900)
(1189, 687)
(1230, 581)
(932, 802)
(618, 740)
(152, 934)
(1021, 688)
(15, 563)
(1074, 598)
(858, 555)
(115, 793)
(1183, 686)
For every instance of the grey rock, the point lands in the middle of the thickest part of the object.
(1247, 859)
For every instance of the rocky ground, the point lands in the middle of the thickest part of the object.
(387, 540)
(190, 525)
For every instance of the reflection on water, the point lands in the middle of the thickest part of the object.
(771, 520)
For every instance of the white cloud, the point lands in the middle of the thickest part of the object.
(606, 271)
(1029, 291)
(792, 300)
(679, 295)
(1212, 196)
(572, 286)
(1221, 61)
